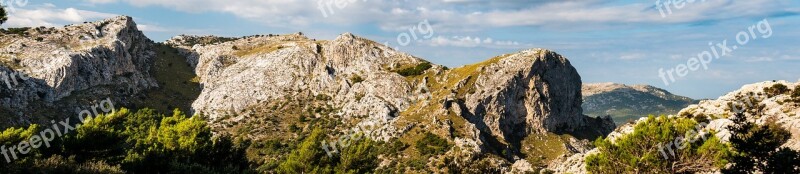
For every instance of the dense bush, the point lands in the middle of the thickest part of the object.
(356, 79)
(141, 142)
(3, 15)
(648, 149)
(758, 148)
(776, 89)
(309, 157)
(416, 70)
(431, 144)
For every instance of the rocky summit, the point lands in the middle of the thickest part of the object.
(52, 72)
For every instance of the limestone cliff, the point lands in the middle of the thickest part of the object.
(107, 58)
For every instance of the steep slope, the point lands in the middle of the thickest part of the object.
(502, 106)
(627, 103)
(71, 67)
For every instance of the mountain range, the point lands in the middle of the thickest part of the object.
(526, 111)
(626, 103)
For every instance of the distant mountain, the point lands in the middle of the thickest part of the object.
(624, 102)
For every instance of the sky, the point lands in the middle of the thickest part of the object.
(683, 46)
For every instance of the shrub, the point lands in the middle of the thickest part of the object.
(758, 148)
(323, 97)
(649, 149)
(141, 142)
(796, 92)
(356, 79)
(416, 70)
(17, 31)
(431, 144)
(776, 89)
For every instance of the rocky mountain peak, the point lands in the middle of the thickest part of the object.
(104, 58)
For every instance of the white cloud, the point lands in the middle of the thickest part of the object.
(470, 41)
(759, 59)
(632, 56)
(152, 28)
(50, 16)
(466, 15)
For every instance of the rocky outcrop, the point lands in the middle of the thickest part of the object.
(533, 91)
(243, 72)
(484, 106)
(108, 58)
(630, 102)
(760, 106)
(759, 103)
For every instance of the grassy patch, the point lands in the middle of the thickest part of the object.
(415, 70)
(178, 84)
(260, 49)
(541, 149)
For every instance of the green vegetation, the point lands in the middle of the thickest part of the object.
(416, 70)
(796, 92)
(644, 150)
(758, 148)
(207, 40)
(356, 79)
(361, 156)
(17, 31)
(178, 84)
(258, 50)
(431, 144)
(3, 15)
(776, 89)
(141, 142)
(540, 150)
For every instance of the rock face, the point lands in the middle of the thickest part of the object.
(625, 103)
(502, 101)
(241, 73)
(759, 105)
(108, 58)
(531, 91)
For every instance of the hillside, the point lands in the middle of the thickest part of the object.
(277, 94)
(763, 104)
(626, 103)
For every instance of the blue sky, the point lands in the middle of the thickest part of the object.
(622, 41)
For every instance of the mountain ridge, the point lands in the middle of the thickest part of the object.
(505, 110)
(630, 102)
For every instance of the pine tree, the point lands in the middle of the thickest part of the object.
(758, 148)
(3, 15)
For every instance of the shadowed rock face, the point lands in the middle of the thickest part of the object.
(533, 91)
(108, 58)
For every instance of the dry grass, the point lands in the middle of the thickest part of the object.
(260, 49)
